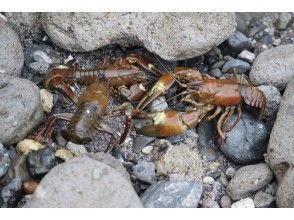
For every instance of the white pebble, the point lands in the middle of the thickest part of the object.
(208, 180)
(244, 203)
(40, 56)
(47, 100)
(247, 56)
(147, 150)
(28, 145)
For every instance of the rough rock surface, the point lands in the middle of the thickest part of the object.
(249, 179)
(84, 182)
(173, 194)
(274, 67)
(173, 36)
(247, 142)
(180, 162)
(280, 152)
(20, 108)
(11, 53)
(285, 192)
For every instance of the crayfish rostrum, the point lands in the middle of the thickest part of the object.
(131, 76)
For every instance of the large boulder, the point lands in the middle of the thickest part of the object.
(173, 36)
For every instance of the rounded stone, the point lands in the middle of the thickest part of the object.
(20, 108)
(249, 179)
(11, 53)
(244, 203)
(247, 142)
(274, 67)
(84, 182)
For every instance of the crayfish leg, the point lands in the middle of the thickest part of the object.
(220, 123)
(216, 113)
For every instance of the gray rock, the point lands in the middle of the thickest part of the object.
(274, 67)
(141, 141)
(216, 73)
(76, 149)
(4, 161)
(145, 171)
(158, 104)
(225, 202)
(244, 203)
(173, 194)
(285, 192)
(40, 162)
(218, 64)
(11, 53)
(263, 200)
(109, 160)
(39, 67)
(20, 108)
(206, 132)
(281, 144)
(249, 179)
(192, 34)
(210, 203)
(180, 162)
(247, 56)
(26, 24)
(247, 142)
(11, 192)
(255, 27)
(239, 42)
(41, 56)
(240, 66)
(283, 20)
(273, 99)
(84, 182)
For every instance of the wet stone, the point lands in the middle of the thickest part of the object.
(145, 171)
(40, 162)
(173, 194)
(247, 142)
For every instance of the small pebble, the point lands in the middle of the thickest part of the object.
(47, 100)
(239, 42)
(216, 73)
(63, 154)
(29, 186)
(218, 64)
(39, 67)
(76, 149)
(223, 179)
(263, 200)
(247, 56)
(11, 192)
(240, 66)
(145, 171)
(225, 202)
(208, 180)
(40, 56)
(40, 162)
(230, 172)
(244, 203)
(210, 203)
(214, 166)
(28, 145)
(147, 150)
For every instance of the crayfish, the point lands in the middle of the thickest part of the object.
(130, 75)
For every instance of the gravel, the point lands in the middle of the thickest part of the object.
(145, 171)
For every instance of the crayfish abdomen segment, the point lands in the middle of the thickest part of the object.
(91, 107)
